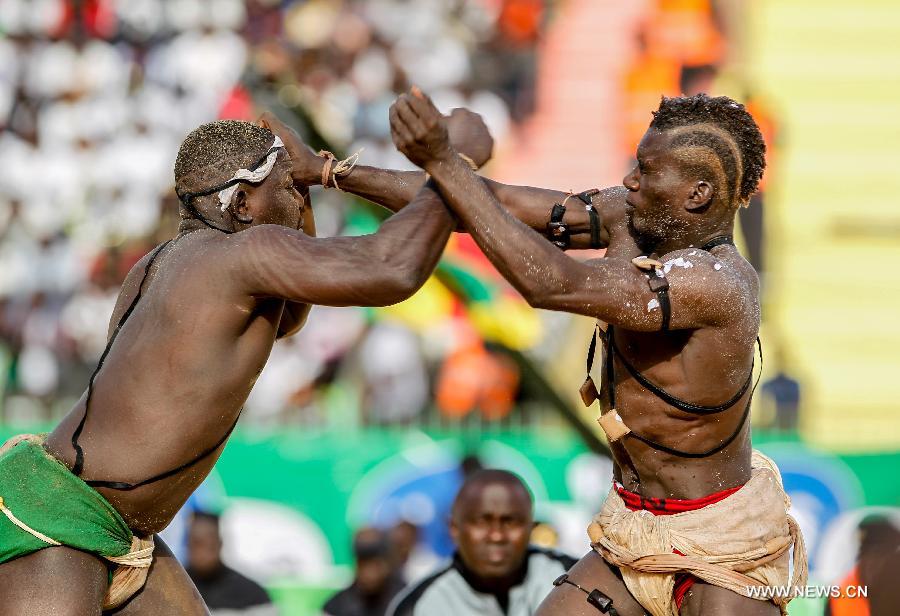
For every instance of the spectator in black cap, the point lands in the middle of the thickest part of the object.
(377, 578)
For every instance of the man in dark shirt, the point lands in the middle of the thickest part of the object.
(223, 589)
(377, 578)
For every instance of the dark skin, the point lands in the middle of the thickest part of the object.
(372, 571)
(395, 189)
(491, 524)
(204, 547)
(213, 305)
(666, 206)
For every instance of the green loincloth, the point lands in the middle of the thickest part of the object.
(44, 495)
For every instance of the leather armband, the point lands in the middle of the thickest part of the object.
(557, 230)
(659, 284)
(594, 597)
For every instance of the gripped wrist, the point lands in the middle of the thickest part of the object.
(443, 162)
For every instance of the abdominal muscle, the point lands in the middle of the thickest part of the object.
(655, 474)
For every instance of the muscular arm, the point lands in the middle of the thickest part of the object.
(395, 189)
(611, 289)
(379, 269)
(702, 291)
(294, 315)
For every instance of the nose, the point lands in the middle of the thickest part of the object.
(630, 181)
(496, 534)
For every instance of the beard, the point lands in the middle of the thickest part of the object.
(645, 240)
(650, 231)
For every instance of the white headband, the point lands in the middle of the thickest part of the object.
(253, 177)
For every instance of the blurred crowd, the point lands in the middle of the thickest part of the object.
(96, 95)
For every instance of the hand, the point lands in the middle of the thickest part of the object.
(306, 165)
(469, 135)
(419, 130)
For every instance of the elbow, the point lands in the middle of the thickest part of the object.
(407, 284)
(538, 300)
(536, 296)
(546, 293)
(403, 282)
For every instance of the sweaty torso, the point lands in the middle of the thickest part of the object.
(705, 366)
(174, 381)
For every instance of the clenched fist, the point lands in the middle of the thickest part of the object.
(419, 130)
(469, 135)
(306, 166)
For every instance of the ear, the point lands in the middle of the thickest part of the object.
(308, 219)
(701, 197)
(240, 210)
(454, 531)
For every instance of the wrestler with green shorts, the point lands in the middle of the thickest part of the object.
(192, 329)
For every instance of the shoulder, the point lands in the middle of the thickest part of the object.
(724, 286)
(547, 558)
(265, 234)
(726, 269)
(139, 273)
(146, 263)
(246, 262)
(610, 196)
(694, 261)
(266, 245)
(404, 604)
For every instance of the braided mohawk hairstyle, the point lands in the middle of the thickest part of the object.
(736, 122)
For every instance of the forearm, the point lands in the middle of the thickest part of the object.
(377, 269)
(413, 240)
(388, 188)
(395, 189)
(526, 259)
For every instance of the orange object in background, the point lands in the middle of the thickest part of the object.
(474, 378)
(501, 381)
(849, 606)
(520, 20)
(766, 121)
(675, 33)
(651, 76)
(688, 31)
